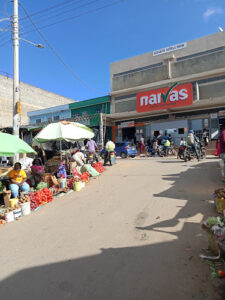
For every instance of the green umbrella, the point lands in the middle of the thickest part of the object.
(10, 145)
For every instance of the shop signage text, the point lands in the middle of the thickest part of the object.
(165, 98)
(170, 49)
(126, 124)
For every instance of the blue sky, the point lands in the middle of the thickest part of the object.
(91, 41)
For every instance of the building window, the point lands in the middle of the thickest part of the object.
(56, 118)
(98, 111)
(38, 121)
(49, 120)
(180, 130)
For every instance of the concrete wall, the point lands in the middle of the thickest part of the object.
(200, 57)
(32, 98)
(194, 46)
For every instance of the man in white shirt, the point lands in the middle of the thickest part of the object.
(78, 157)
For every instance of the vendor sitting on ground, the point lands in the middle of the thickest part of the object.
(78, 157)
(17, 180)
(37, 170)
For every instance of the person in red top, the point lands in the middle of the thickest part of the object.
(222, 148)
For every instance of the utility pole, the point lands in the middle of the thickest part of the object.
(16, 88)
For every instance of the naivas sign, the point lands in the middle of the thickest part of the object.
(165, 98)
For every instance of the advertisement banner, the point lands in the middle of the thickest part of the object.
(165, 98)
(126, 124)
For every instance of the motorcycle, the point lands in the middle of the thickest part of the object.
(182, 153)
(188, 152)
(163, 151)
(92, 157)
(110, 157)
(150, 152)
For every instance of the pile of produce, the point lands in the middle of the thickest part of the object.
(33, 203)
(24, 198)
(220, 193)
(98, 167)
(47, 195)
(41, 185)
(85, 177)
(40, 198)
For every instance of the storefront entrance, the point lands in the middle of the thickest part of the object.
(128, 134)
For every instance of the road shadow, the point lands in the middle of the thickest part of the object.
(131, 273)
(154, 270)
(195, 187)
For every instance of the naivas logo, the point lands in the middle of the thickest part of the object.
(165, 98)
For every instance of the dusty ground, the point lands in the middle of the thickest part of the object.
(132, 234)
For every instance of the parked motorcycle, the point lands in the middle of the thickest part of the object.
(110, 157)
(163, 151)
(150, 152)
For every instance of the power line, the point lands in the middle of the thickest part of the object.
(77, 16)
(56, 54)
(51, 8)
(61, 12)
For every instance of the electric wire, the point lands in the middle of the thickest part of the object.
(50, 8)
(57, 55)
(76, 16)
(61, 13)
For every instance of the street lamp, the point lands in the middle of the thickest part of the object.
(34, 44)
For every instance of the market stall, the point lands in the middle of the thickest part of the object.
(55, 179)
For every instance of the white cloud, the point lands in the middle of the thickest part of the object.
(211, 12)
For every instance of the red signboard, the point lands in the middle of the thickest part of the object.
(165, 98)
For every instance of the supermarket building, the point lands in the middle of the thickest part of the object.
(172, 89)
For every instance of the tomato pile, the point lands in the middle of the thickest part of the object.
(85, 177)
(40, 198)
(98, 167)
(47, 195)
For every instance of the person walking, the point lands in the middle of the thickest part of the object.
(91, 146)
(205, 137)
(142, 145)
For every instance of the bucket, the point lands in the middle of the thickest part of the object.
(62, 183)
(9, 217)
(25, 207)
(17, 213)
(13, 202)
(77, 186)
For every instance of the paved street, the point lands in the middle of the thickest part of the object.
(132, 234)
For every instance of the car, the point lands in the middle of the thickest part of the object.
(123, 150)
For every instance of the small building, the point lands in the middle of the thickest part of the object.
(170, 90)
(31, 97)
(89, 112)
(49, 115)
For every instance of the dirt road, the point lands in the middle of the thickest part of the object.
(132, 234)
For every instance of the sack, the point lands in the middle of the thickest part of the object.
(88, 168)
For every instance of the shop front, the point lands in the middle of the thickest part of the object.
(170, 92)
(170, 110)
